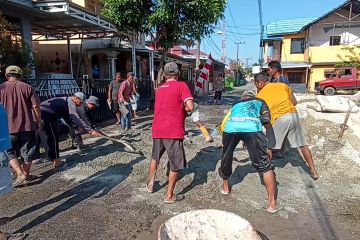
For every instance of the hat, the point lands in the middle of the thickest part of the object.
(171, 69)
(13, 70)
(80, 95)
(248, 94)
(93, 100)
(130, 74)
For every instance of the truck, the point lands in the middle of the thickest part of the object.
(341, 79)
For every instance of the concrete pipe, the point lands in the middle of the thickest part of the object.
(207, 224)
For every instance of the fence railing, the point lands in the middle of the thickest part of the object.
(98, 88)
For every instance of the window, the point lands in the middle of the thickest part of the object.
(335, 40)
(295, 77)
(297, 45)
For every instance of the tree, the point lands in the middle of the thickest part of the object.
(13, 50)
(350, 58)
(173, 21)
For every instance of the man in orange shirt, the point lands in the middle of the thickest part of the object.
(284, 117)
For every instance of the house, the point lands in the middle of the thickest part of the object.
(309, 48)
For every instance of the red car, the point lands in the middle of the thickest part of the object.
(341, 79)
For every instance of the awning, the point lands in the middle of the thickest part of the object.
(287, 65)
(58, 19)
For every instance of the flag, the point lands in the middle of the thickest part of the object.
(204, 74)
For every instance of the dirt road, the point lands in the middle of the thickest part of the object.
(101, 193)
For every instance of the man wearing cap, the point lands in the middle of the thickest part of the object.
(21, 103)
(83, 110)
(126, 88)
(173, 99)
(53, 110)
(113, 92)
(244, 122)
(285, 120)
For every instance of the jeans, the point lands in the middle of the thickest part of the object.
(126, 120)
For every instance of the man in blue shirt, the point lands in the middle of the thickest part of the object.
(5, 173)
(244, 122)
(274, 71)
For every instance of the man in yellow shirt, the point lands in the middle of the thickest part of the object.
(284, 117)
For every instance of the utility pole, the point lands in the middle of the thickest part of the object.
(237, 80)
(237, 52)
(247, 62)
(261, 35)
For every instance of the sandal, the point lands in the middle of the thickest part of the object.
(13, 236)
(224, 192)
(273, 211)
(175, 198)
(150, 190)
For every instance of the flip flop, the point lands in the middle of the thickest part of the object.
(273, 211)
(176, 198)
(14, 236)
(224, 192)
(19, 181)
(148, 189)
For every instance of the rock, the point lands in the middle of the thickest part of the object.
(207, 224)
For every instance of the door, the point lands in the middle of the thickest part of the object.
(346, 79)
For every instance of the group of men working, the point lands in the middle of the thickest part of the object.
(273, 108)
(32, 123)
(122, 98)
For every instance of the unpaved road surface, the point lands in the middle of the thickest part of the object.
(101, 193)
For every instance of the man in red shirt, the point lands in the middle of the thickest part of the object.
(173, 99)
(126, 88)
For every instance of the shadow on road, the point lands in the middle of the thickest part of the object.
(97, 185)
(203, 163)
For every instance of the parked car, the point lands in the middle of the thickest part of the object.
(56, 84)
(340, 79)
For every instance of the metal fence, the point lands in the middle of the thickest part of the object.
(98, 88)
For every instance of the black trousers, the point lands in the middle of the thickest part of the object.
(256, 144)
(217, 95)
(52, 140)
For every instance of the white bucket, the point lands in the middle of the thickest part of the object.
(207, 224)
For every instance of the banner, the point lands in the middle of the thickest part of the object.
(204, 74)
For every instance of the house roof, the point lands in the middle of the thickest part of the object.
(355, 8)
(275, 29)
(282, 27)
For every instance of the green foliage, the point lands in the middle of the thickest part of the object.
(351, 59)
(229, 82)
(13, 51)
(174, 21)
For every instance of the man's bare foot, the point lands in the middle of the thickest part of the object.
(274, 208)
(20, 180)
(150, 186)
(314, 175)
(58, 163)
(225, 189)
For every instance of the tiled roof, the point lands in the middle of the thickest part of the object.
(282, 27)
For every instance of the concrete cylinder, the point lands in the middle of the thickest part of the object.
(207, 224)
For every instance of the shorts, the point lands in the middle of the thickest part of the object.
(256, 144)
(195, 116)
(115, 105)
(5, 175)
(174, 149)
(288, 126)
(24, 145)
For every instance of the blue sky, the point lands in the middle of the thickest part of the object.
(245, 15)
